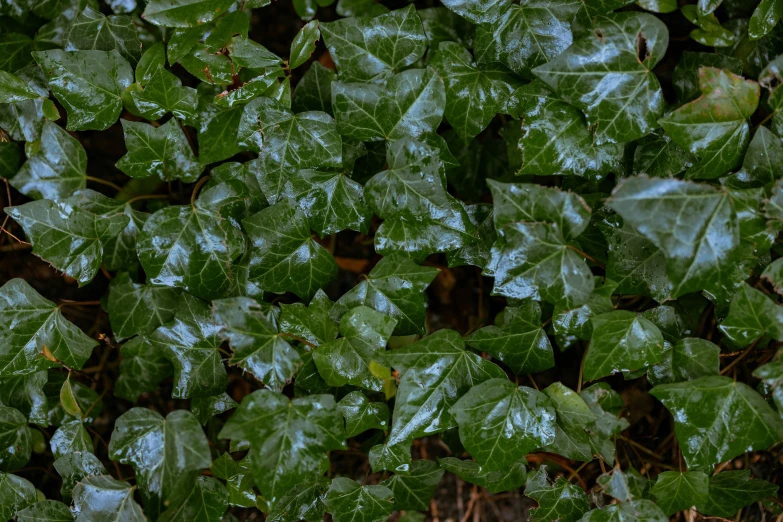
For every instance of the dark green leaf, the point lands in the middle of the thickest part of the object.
(511, 478)
(142, 368)
(16, 494)
(105, 499)
(362, 415)
(303, 502)
(415, 490)
(348, 501)
(676, 491)
(184, 13)
(164, 93)
(304, 44)
(562, 501)
(314, 90)
(752, 315)
(45, 511)
(15, 439)
(74, 468)
(633, 511)
(92, 31)
(688, 359)
(139, 309)
(731, 490)
(205, 501)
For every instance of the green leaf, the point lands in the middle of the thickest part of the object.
(751, 316)
(517, 339)
(370, 49)
(416, 489)
(218, 134)
(772, 376)
(88, 84)
(350, 360)
(15, 439)
(764, 18)
(622, 341)
(184, 13)
(477, 251)
(92, 31)
(164, 93)
(25, 393)
(570, 325)
(139, 309)
(533, 260)
(16, 494)
(436, 372)
(68, 400)
(556, 139)
(204, 408)
(14, 89)
(45, 511)
(15, 51)
(28, 323)
(466, 83)
(23, 120)
(714, 127)
(676, 490)
(69, 438)
(525, 36)
(391, 457)
(239, 480)
(559, 500)
(499, 422)
(142, 368)
(420, 216)
(717, 419)
(688, 359)
(731, 490)
(283, 255)
(313, 323)
(348, 501)
(304, 43)
(303, 502)
(686, 73)
(759, 164)
(105, 499)
(362, 415)
(408, 104)
(287, 437)
(74, 468)
(314, 90)
(258, 348)
(191, 342)
(167, 454)
(694, 224)
(633, 511)
(511, 478)
(56, 169)
(478, 12)
(608, 75)
(657, 156)
(153, 57)
(206, 501)
(710, 32)
(190, 247)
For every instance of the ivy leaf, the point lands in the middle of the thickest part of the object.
(103, 499)
(719, 418)
(474, 94)
(25, 393)
(167, 454)
(524, 36)
(139, 309)
(556, 139)
(414, 490)
(752, 315)
(576, 323)
(16, 494)
(74, 468)
(686, 73)
(283, 256)
(362, 415)
(517, 339)
(477, 252)
(314, 90)
(142, 368)
(608, 75)
(304, 44)
(772, 376)
(714, 127)
(481, 12)
(191, 342)
(394, 457)
(576, 434)
(70, 437)
(14, 89)
(190, 247)
(56, 169)
(635, 510)
(676, 490)
(622, 341)
(511, 478)
(371, 49)
(499, 422)
(206, 501)
(184, 13)
(436, 372)
(421, 217)
(694, 224)
(657, 156)
(258, 348)
(92, 31)
(350, 360)
(313, 323)
(46, 510)
(688, 359)
(731, 490)
(331, 201)
(394, 287)
(88, 84)
(164, 93)
(15, 439)
(303, 502)
(287, 437)
(533, 260)
(204, 408)
(16, 49)
(764, 18)
(765, 151)
(562, 501)
(347, 499)
(29, 323)
(408, 104)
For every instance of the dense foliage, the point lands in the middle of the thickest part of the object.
(282, 261)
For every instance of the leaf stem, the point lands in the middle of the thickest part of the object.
(146, 196)
(198, 186)
(738, 359)
(104, 182)
(582, 369)
(296, 338)
(586, 256)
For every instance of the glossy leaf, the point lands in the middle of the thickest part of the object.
(45, 511)
(16, 494)
(414, 490)
(92, 31)
(139, 309)
(676, 491)
(103, 499)
(347, 500)
(752, 315)
(621, 341)
(559, 500)
(361, 415)
(731, 490)
(635, 510)
(183, 13)
(513, 477)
